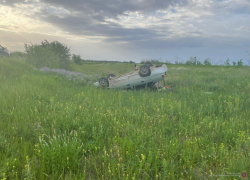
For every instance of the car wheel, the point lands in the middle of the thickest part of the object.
(149, 64)
(144, 71)
(104, 82)
(111, 75)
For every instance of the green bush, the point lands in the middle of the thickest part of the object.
(153, 61)
(40, 56)
(18, 54)
(192, 61)
(3, 52)
(207, 62)
(239, 63)
(199, 63)
(77, 59)
(227, 63)
(53, 55)
(61, 51)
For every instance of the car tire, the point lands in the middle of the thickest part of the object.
(144, 71)
(148, 63)
(111, 75)
(104, 82)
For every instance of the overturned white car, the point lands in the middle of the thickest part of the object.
(147, 76)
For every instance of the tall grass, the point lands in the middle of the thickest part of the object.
(51, 128)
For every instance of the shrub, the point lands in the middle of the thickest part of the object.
(17, 54)
(40, 56)
(199, 63)
(239, 63)
(3, 52)
(153, 61)
(192, 61)
(178, 62)
(77, 59)
(61, 51)
(227, 63)
(54, 54)
(207, 62)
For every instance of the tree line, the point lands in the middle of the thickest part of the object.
(58, 55)
(193, 61)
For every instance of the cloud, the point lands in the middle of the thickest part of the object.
(90, 17)
(104, 8)
(113, 8)
(132, 25)
(129, 20)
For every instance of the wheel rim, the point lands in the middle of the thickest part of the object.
(144, 70)
(103, 82)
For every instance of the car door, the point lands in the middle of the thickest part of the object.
(126, 83)
(138, 81)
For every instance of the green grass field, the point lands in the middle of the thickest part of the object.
(52, 128)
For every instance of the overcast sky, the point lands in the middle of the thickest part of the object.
(134, 30)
